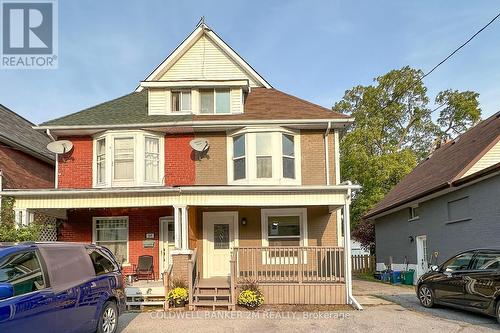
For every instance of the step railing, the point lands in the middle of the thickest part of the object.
(192, 276)
(167, 279)
(290, 264)
(232, 282)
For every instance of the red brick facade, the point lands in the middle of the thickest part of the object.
(21, 170)
(75, 169)
(179, 160)
(78, 228)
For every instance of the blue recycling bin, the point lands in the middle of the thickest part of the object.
(397, 277)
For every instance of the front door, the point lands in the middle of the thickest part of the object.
(219, 237)
(422, 265)
(166, 241)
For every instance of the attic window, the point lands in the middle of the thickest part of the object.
(215, 101)
(181, 101)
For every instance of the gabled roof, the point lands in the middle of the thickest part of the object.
(201, 30)
(444, 167)
(17, 132)
(132, 109)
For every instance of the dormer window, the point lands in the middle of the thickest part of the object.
(215, 101)
(181, 101)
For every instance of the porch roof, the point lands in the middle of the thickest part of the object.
(181, 196)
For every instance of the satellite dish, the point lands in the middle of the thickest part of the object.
(60, 147)
(199, 144)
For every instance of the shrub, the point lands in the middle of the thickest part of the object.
(251, 296)
(178, 283)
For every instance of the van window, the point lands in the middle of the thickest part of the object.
(23, 271)
(102, 264)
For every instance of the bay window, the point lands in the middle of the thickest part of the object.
(264, 157)
(112, 232)
(128, 158)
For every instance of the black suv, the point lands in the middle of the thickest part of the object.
(470, 280)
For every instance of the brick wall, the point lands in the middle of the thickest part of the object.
(21, 170)
(179, 160)
(75, 169)
(211, 169)
(180, 267)
(78, 228)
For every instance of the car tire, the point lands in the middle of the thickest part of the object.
(497, 313)
(425, 296)
(108, 319)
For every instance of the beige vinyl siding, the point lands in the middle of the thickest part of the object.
(236, 100)
(492, 157)
(158, 101)
(206, 61)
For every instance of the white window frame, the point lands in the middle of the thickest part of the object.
(412, 212)
(181, 92)
(139, 159)
(303, 241)
(94, 231)
(215, 101)
(251, 157)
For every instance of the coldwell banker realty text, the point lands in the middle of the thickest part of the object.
(29, 34)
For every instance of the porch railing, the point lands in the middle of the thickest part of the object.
(167, 279)
(311, 264)
(192, 275)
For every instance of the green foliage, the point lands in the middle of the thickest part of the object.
(393, 131)
(8, 230)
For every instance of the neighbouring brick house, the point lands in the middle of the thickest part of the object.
(215, 174)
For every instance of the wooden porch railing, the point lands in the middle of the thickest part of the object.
(192, 275)
(311, 264)
(233, 265)
(363, 264)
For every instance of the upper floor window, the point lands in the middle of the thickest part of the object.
(181, 101)
(264, 157)
(413, 213)
(128, 158)
(215, 101)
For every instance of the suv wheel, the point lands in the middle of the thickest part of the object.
(425, 296)
(108, 320)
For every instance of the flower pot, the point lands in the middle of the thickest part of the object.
(179, 304)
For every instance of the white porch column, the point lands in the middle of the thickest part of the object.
(185, 232)
(177, 228)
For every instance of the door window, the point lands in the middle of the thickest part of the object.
(458, 263)
(23, 271)
(221, 236)
(486, 261)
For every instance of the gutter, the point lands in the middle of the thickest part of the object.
(199, 123)
(181, 189)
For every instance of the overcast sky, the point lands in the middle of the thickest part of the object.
(312, 49)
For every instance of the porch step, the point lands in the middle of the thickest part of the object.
(213, 292)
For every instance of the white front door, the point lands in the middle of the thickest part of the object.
(166, 241)
(422, 265)
(220, 235)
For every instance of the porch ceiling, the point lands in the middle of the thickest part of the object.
(182, 196)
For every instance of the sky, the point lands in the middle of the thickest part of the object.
(315, 50)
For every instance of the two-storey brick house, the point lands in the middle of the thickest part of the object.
(261, 198)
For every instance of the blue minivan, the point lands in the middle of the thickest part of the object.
(59, 287)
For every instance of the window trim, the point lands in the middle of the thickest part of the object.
(139, 159)
(251, 157)
(94, 232)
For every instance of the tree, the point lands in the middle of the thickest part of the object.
(8, 230)
(393, 131)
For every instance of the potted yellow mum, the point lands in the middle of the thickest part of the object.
(178, 295)
(250, 296)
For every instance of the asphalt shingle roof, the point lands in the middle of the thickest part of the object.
(260, 104)
(14, 129)
(444, 167)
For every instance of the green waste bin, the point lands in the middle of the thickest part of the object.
(408, 277)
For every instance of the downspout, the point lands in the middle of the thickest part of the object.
(56, 176)
(327, 153)
(347, 250)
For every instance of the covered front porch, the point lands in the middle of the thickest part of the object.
(286, 239)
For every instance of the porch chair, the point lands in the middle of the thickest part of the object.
(144, 269)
